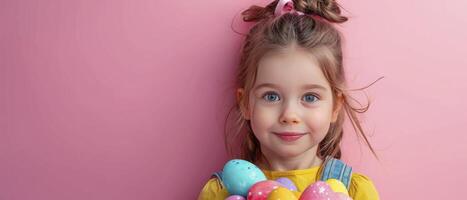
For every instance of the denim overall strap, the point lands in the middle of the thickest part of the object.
(219, 176)
(336, 169)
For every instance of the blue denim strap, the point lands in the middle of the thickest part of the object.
(219, 176)
(336, 169)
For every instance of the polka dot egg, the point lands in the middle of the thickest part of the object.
(239, 175)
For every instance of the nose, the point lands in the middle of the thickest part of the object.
(289, 114)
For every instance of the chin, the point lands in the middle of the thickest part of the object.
(290, 151)
(286, 152)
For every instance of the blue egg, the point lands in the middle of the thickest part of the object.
(239, 175)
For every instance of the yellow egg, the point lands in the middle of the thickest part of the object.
(282, 194)
(337, 186)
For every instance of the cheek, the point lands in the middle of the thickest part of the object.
(263, 118)
(318, 121)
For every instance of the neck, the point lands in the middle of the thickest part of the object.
(272, 162)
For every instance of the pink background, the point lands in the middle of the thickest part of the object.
(122, 100)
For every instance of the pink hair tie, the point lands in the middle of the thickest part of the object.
(287, 6)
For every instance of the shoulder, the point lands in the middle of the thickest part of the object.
(213, 190)
(362, 188)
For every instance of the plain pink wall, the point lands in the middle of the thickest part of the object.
(122, 100)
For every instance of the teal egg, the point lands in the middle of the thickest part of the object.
(239, 175)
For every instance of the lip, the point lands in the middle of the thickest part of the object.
(289, 136)
(289, 133)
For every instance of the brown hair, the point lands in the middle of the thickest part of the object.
(316, 35)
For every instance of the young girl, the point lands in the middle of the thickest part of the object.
(291, 96)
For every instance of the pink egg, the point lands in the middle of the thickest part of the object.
(261, 190)
(235, 197)
(318, 191)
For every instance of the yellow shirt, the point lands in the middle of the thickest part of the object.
(361, 187)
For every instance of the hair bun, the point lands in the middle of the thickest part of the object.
(327, 9)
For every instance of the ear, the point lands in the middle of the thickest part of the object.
(337, 107)
(240, 98)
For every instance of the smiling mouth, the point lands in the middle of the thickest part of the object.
(289, 133)
(289, 137)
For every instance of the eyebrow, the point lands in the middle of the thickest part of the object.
(304, 87)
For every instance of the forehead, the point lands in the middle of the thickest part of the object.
(291, 68)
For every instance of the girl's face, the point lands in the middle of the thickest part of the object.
(291, 94)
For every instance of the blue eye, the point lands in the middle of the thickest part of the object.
(270, 96)
(310, 98)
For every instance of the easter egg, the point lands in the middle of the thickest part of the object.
(239, 175)
(261, 190)
(337, 186)
(317, 191)
(287, 183)
(235, 197)
(282, 194)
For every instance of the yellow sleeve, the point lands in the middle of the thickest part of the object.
(213, 190)
(362, 188)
